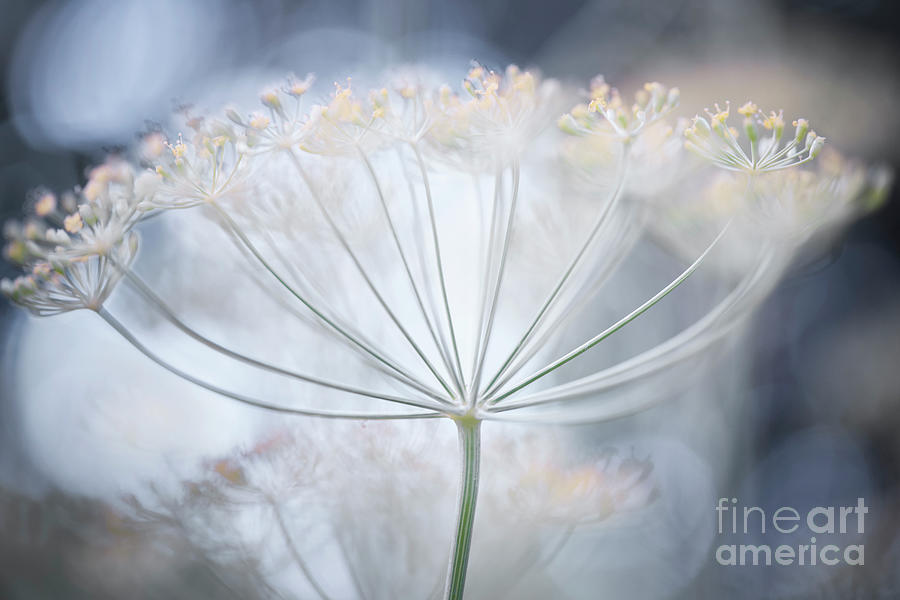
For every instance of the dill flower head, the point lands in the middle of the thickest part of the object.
(791, 205)
(772, 212)
(503, 115)
(277, 468)
(554, 488)
(766, 150)
(656, 158)
(281, 124)
(407, 108)
(608, 114)
(347, 123)
(402, 111)
(73, 257)
(208, 167)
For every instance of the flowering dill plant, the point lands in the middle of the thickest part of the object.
(398, 228)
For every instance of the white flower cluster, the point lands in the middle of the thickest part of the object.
(608, 114)
(74, 248)
(259, 170)
(717, 141)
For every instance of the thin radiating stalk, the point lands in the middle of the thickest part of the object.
(400, 374)
(499, 282)
(295, 553)
(364, 274)
(443, 346)
(406, 267)
(554, 326)
(469, 430)
(679, 347)
(363, 346)
(616, 326)
(440, 263)
(125, 333)
(554, 295)
(488, 270)
(300, 279)
(144, 289)
(311, 320)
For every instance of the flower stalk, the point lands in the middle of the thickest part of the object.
(469, 430)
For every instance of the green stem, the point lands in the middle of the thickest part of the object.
(469, 430)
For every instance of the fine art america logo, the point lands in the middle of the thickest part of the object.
(821, 520)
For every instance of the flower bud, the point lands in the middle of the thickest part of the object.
(73, 223)
(567, 124)
(45, 205)
(298, 88)
(673, 98)
(233, 116)
(259, 121)
(270, 99)
(16, 252)
(816, 146)
(701, 127)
